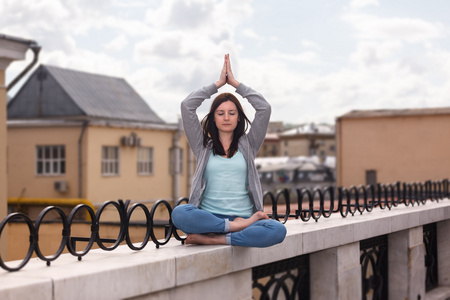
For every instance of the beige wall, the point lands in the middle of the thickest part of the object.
(408, 148)
(129, 185)
(294, 147)
(3, 184)
(9, 51)
(23, 181)
(299, 146)
(269, 148)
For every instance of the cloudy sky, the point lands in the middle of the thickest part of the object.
(312, 60)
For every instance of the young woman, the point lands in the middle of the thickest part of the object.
(226, 205)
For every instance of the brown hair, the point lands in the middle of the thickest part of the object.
(210, 131)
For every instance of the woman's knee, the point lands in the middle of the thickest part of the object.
(179, 213)
(279, 231)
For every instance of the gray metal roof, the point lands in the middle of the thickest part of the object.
(56, 92)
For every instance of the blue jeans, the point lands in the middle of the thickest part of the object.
(263, 233)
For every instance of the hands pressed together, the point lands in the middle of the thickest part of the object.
(226, 75)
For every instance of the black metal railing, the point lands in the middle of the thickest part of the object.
(431, 256)
(317, 203)
(287, 279)
(374, 268)
(312, 204)
(69, 241)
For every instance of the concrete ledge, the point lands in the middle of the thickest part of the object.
(124, 273)
(439, 293)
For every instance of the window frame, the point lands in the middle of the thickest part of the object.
(60, 160)
(142, 163)
(371, 177)
(180, 168)
(110, 163)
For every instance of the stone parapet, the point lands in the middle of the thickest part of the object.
(176, 271)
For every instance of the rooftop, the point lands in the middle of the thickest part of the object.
(396, 112)
(56, 92)
(310, 128)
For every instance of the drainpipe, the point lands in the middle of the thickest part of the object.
(36, 49)
(190, 170)
(176, 173)
(80, 162)
(338, 141)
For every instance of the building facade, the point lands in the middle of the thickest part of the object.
(11, 49)
(98, 162)
(79, 135)
(393, 145)
(308, 140)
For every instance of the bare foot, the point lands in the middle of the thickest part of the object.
(205, 239)
(240, 223)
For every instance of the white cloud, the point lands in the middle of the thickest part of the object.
(250, 33)
(306, 57)
(369, 52)
(117, 44)
(310, 44)
(181, 14)
(357, 4)
(179, 45)
(410, 30)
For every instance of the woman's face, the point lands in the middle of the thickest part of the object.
(226, 117)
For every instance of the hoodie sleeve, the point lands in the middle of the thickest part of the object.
(260, 123)
(191, 123)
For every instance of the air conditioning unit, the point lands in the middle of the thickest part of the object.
(60, 186)
(131, 140)
(123, 140)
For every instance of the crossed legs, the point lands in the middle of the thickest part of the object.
(206, 228)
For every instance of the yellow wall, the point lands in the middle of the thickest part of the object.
(269, 148)
(186, 179)
(408, 148)
(128, 185)
(23, 181)
(294, 147)
(299, 146)
(3, 184)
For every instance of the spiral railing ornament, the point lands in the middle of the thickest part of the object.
(311, 204)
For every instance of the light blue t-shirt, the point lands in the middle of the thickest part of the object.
(226, 186)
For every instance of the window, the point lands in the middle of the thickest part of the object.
(145, 161)
(50, 160)
(181, 161)
(274, 150)
(110, 161)
(176, 165)
(371, 177)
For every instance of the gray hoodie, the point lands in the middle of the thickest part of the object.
(249, 144)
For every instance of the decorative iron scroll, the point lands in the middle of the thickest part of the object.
(431, 257)
(69, 241)
(374, 268)
(312, 204)
(287, 279)
(323, 202)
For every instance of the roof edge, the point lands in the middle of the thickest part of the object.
(381, 113)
